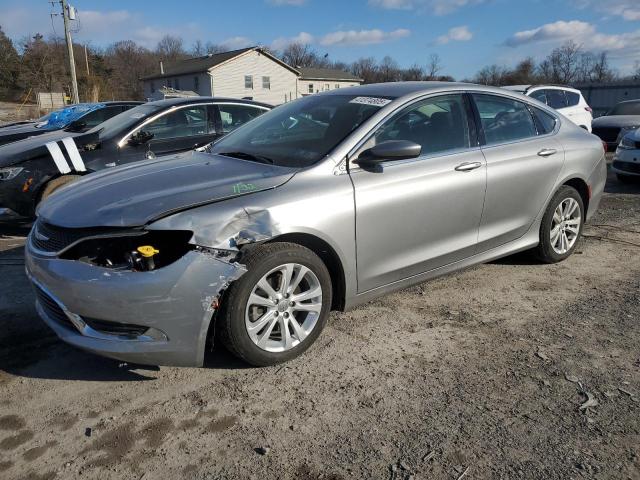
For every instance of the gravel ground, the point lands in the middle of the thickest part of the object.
(481, 374)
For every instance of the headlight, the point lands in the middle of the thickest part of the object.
(627, 143)
(10, 173)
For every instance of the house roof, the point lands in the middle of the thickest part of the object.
(327, 74)
(203, 64)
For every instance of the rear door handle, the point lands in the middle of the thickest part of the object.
(468, 166)
(547, 152)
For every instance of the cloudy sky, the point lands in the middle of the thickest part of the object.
(467, 34)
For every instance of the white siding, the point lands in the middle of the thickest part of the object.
(228, 79)
(321, 85)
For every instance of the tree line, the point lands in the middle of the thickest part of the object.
(38, 64)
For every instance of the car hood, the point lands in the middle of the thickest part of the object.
(16, 126)
(616, 121)
(32, 147)
(145, 191)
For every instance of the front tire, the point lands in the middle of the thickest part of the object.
(561, 226)
(276, 310)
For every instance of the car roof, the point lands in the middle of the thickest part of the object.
(629, 101)
(123, 102)
(527, 88)
(170, 102)
(397, 90)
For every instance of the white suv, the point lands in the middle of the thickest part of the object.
(566, 100)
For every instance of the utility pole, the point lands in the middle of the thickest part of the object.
(72, 64)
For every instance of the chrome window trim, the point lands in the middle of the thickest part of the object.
(178, 107)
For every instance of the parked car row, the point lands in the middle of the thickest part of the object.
(74, 142)
(320, 204)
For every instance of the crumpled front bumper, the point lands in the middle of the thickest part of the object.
(176, 302)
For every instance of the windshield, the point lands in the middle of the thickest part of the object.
(626, 108)
(124, 121)
(300, 133)
(61, 118)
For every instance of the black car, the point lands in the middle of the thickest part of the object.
(79, 117)
(32, 169)
(617, 122)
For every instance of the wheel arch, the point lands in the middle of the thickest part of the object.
(583, 189)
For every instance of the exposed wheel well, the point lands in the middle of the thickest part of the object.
(582, 188)
(330, 258)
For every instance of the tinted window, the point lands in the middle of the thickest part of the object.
(438, 124)
(556, 99)
(540, 95)
(504, 120)
(300, 133)
(96, 117)
(183, 122)
(573, 98)
(626, 108)
(545, 122)
(121, 124)
(232, 116)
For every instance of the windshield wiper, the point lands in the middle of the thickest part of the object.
(248, 156)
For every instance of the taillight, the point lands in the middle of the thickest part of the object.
(604, 145)
(588, 109)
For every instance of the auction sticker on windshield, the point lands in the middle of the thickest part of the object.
(378, 102)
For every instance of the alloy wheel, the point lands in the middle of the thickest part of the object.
(565, 226)
(283, 307)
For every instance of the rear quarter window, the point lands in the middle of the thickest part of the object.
(545, 122)
(573, 98)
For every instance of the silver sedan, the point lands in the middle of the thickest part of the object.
(323, 203)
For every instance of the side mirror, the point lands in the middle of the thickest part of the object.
(389, 150)
(140, 137)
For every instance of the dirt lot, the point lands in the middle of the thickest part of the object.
(476, 375)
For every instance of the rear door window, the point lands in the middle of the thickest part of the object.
(556, 99)
(503, 119)
(182, 122)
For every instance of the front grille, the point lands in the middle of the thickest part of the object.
(607, 134)
(627, 166)
(51, 239)
(52, 309)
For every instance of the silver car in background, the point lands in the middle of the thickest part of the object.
(323, 203)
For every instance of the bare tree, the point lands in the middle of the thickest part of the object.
(491, 75)
(170, 49)
(434, 67)
(413, 73)
(299, 55)
(366, 69)
(388, 69)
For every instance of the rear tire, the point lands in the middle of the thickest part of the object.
(58, 183)
(561, 226)
(275, 324)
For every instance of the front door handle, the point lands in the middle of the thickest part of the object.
(547, 152)
(468, 166)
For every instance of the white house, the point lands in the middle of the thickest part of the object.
(251, 73)
(315, 80)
